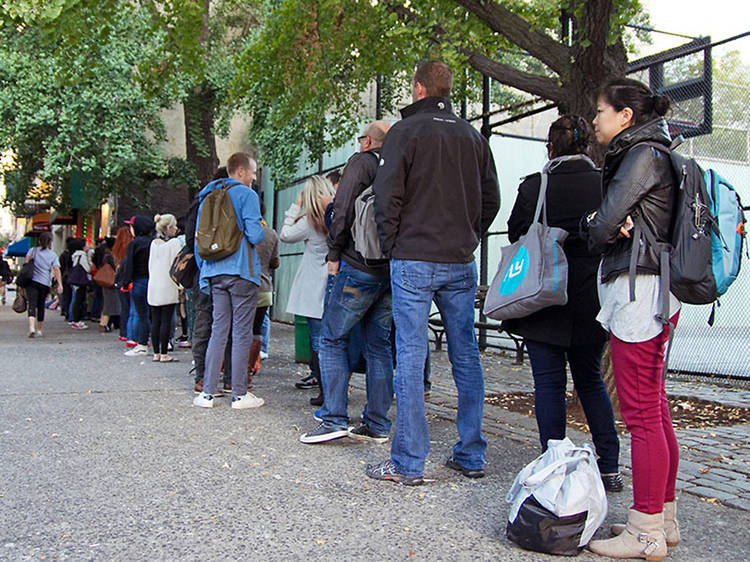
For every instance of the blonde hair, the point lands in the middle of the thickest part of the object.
(163, 222)
(316, 188)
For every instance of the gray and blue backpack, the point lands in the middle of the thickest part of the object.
(704, 255)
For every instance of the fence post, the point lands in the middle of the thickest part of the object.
(484, 245)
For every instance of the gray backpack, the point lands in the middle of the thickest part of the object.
(364, 228)
(533, 272)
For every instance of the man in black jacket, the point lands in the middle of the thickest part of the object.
(360, 291)
(436, 194)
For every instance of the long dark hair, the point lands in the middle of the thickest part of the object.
(625, 92)
(570, 134)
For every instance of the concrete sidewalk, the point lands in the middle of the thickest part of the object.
(104, 458)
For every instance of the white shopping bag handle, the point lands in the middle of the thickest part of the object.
(538, 478)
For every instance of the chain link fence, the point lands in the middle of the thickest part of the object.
(709, 86)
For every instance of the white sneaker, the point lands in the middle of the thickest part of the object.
(79, 326)
(39, 333)
(246, 401)
(204, 400)
(137, 350)
(263, 355)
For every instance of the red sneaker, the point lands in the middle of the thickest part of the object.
(121, 338)
(130, 343)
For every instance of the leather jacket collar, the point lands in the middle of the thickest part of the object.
(430, 104)
(655, 130)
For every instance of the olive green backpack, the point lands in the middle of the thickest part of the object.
(218, 235)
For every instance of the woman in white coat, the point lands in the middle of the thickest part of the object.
(162, 292)
(304, 223)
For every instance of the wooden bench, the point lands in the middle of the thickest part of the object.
(435, 323)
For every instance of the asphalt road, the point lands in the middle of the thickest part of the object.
(103, 457)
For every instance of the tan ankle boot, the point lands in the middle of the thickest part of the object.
(643, 537)
(671, 526)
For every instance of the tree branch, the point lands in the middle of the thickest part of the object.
(520, 32)
(510, 76)
(535, 84)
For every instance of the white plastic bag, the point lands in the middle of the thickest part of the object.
(565, 479)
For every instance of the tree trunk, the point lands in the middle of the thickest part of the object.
(198, 108)
(594, 64)
(199, 134)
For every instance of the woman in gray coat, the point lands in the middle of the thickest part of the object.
(304, 222)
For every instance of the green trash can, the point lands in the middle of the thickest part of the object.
(301, 340)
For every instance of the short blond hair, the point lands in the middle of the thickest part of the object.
(163, 222)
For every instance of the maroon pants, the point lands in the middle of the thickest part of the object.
(645, 411)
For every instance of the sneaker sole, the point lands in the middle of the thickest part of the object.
(333, 435)
(467, 472)
(247, 407)
(400, 480)
(358, 437)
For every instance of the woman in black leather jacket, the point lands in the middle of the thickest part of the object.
(557, 336)
(637, 180)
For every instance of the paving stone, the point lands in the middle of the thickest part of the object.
(690, 468)
(743, 485)
(728, 486)
(727, 472)
(739, 503)
(737, 467)
(709, 477)
(710, 493)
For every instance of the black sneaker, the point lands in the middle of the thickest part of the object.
(468, 472)
(613, 482)
(363, 433)
(321, 434)
(317, 400)
(387, 471)
(306, 383)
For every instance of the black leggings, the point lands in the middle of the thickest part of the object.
(161, 324)
(260, 315)
(36, 297)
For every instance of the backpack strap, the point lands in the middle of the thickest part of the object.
(640, 226)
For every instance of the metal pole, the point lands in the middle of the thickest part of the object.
(484, 245)
(379, 97)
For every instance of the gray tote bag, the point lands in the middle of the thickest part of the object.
(533, 272)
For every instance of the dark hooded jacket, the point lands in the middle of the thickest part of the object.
(436, 190)
(636, 179)
(136, 260)
(358, 175)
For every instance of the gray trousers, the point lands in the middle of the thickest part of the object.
(234, 302)
(202, 319)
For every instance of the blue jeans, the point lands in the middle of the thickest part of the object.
(452, 286)
(548, 367)
(357, 298)
(124, 314)
(140, 304)
(354, 347)
(266, 331)
(314, 327)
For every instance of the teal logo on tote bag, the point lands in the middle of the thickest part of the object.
(515, 273)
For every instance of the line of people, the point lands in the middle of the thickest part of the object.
(436, 194)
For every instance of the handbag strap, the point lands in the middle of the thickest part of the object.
(541, 206)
